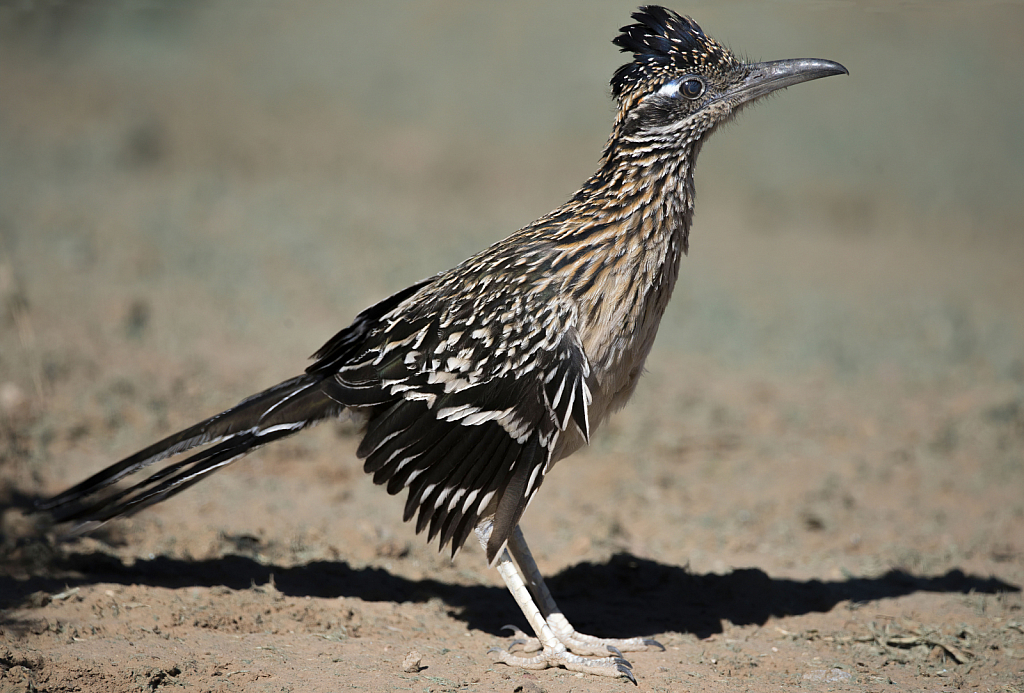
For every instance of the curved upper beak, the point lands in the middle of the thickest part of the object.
(764, 78)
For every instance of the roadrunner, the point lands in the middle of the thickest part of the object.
(472, 383)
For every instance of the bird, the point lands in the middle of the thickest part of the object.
(471, 384)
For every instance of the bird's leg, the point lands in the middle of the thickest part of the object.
(553, 653)
(575, 641)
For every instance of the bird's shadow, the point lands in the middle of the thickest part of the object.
(622, 597)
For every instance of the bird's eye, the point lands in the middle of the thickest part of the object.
(692, 88)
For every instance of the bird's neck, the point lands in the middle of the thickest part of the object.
(631, 223)
(645, 195)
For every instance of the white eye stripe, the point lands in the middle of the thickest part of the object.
(673, 89)
(669, 90)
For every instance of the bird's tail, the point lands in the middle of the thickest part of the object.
(273, 414)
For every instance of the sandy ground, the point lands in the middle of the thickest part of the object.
(819, 486)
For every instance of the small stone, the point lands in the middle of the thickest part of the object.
(411, 663)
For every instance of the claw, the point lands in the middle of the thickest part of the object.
(615, 651)
(628, 674)
(654, 643)
(520, 638)
(622, 662)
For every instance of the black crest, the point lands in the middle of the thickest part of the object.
(665, 44)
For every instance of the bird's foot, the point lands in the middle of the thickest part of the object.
(574, 651)
(581, 643)
(559, 656)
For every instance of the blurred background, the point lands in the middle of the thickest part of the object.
(276, 167)
(194, 196)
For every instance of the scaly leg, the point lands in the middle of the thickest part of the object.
(575, 641)
(553, 652)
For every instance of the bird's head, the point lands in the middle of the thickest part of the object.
(682, 84)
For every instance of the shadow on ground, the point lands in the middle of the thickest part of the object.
(622, 597)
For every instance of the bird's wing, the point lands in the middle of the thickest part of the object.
(344, 345)
(467, 412)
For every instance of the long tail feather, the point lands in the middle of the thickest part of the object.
(273, 414)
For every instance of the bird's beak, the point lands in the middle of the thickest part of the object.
(764, 78)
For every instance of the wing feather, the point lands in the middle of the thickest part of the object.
(465, 420)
